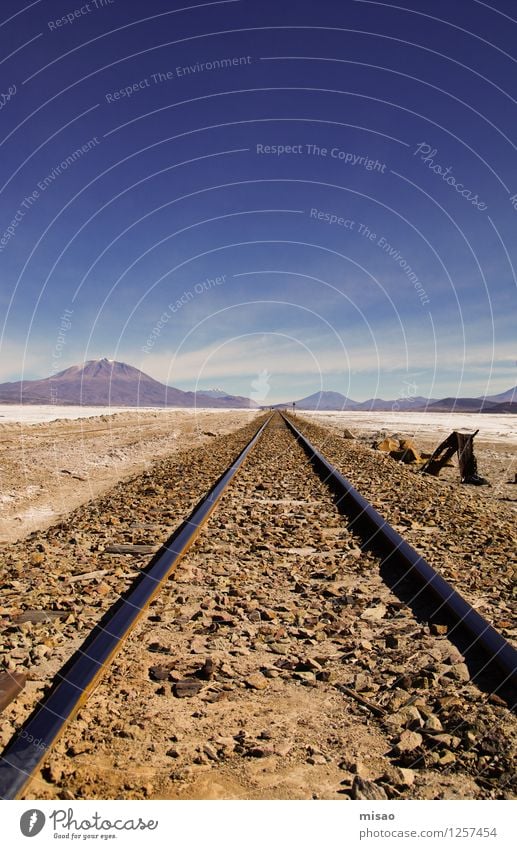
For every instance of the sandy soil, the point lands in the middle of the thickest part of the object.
(51, 467)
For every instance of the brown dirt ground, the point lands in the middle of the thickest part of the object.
(49, 469)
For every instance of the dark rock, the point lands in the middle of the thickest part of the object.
(186, 688)
(159, 672)
(207, 671)
(363, 789)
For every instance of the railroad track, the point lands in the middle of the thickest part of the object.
(281, 605)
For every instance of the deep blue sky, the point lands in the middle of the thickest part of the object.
(171, 190)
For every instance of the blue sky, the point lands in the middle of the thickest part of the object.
(316, 193)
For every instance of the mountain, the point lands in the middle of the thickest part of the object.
(509, 396)
(405, 404)
(505, 402)
(471, 405)
(458, 405)
(214, 393)
(323, 401)
(326, 400)
(505, 407)
(109, 383)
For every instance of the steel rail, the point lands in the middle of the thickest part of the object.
(32, 742)
(381, 535)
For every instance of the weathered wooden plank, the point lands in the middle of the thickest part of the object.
(11, 683)
(130, 549)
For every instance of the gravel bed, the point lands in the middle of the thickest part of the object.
(278, 663)
(58, 582)
(470, 542)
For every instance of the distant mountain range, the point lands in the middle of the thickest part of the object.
(214, 393)
(505, 402)
(109, 383)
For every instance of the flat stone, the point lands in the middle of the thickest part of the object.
(399, 776)
(459, 672)
(260, 752)
(41, 616)
(304, 676)
(388, 445)
(374, 613)
(398, 698)
(317, 760)
(210, 752)
(432, 723)
(159, 672)
(53, 773)
(186, 688)
(447, 758)
(256, 681)
(283, 749)
(408, 741)
(279, 648)
(361, 682)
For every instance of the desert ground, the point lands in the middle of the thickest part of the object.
(55, 459)
(279, 661)
(495, 444)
